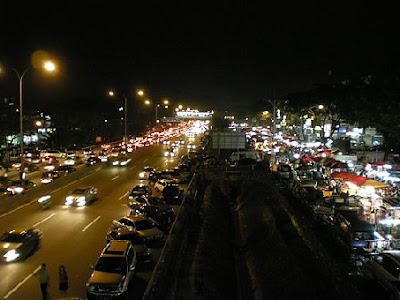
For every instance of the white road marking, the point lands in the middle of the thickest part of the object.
(14, 210)
(44, 220)
(115, 177)
(124, 195)
(91, 223)
(21, 283)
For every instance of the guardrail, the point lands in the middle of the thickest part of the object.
(165, 271)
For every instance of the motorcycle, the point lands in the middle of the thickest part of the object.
(45, 201)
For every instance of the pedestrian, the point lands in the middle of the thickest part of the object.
(43, 279)
(63, 277)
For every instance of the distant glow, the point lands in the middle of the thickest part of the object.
(320, 106)
(140, 93)
(147, 102)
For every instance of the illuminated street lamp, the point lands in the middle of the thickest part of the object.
(125, 109)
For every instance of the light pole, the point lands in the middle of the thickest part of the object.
(112, 94)
(48, 66)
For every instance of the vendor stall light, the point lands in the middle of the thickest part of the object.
(296, 155)
(368, 167)
(387, 167)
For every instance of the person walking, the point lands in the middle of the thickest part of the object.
(63, 277)
(43, 279)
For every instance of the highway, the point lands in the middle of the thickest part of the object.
(74, 237)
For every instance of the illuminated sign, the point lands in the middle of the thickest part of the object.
(193, 114)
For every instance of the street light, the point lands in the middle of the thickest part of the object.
(112, 94)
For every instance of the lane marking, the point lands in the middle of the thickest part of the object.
(115, 177)
(124, 195)
(44, 220)
(91, 223)
(21, 283)
(15, 209)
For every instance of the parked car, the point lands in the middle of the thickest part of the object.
(81, 196)
(113, 272)
(142, 251)
(19, 244)
(385, 269)
(140, 190)
(147, 171)
(162, 183)
(161, 215)
(146, 200)
(172, 194)
(142, 225)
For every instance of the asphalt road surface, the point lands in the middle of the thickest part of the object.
(74, 237)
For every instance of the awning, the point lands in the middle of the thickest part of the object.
(375, 184)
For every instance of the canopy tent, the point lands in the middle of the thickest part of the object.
(375, 184)
(351, 177)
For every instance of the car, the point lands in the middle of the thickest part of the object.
(162, 183)
(64, 169)
(28, 168)
(19, 186)
(49, 176)
(146, 173)
(115, 152)
(113, 271)
(73, 160)
(169, 152)
(161, 215)
(103, 156)
(385, 269)
(140, 190)
(121, 161)
(92, 160)
(81, 196)
(19, 244)
(142, 251)
(146, 200)
(54, 153)
(142, 225)
(46, 160)
(172, 194)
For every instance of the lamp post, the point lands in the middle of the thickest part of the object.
(112, 94)
(48, 66)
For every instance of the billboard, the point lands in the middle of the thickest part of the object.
(228, 140)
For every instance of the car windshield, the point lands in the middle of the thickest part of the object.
(143, 225)
(79, 191)
(12, 238)
(111, 265)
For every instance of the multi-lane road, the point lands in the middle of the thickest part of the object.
(74, 237)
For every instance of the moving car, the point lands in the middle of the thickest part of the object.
(19, 186)
(92, 160)
(140, 190)
(55, 153)
(64, 169)
(121, 161)
(19, 244)
(113, 271)
(81, 196)
(49, 176)
(142, 225)
(142, 251)
(73, 160)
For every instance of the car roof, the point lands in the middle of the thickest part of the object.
(116, 248)
(135, 218)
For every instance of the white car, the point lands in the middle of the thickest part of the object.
(55, 153)
(73, 161)
(81, 196)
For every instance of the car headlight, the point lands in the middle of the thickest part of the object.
(172, 154)
(124, 163)
(115, 163)
(19, 189)
(130, 197)
(81, 199)
(166, 153)
(69, 198)
(11, 255)
(141, 174)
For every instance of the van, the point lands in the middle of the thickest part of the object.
(113, 272)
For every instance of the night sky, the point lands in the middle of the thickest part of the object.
(208, 55)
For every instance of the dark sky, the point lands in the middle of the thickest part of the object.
(209, 55)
